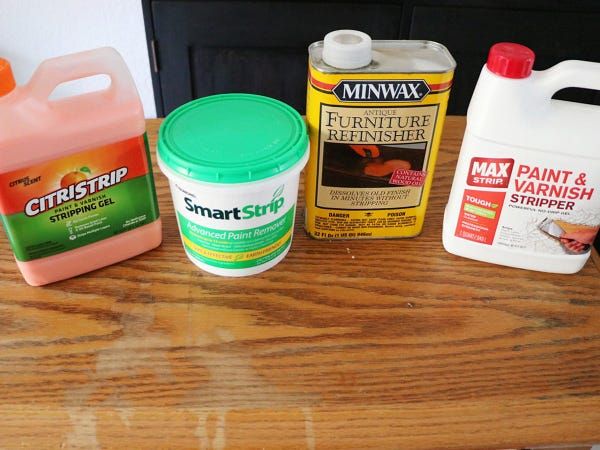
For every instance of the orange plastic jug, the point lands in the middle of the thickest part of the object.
(76, 185)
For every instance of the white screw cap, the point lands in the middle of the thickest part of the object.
(347, 49)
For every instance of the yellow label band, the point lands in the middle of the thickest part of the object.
(236, 257)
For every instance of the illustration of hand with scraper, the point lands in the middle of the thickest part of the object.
(576, 238)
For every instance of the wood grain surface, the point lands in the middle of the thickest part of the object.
(390, 344)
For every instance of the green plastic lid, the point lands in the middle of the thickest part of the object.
(232, 138)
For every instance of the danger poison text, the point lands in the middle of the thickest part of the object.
(76, 191)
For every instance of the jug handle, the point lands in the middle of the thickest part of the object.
(106, 60)
(573, 73)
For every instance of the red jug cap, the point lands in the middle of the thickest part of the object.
(510, 60)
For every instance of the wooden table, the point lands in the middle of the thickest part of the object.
(344, 345)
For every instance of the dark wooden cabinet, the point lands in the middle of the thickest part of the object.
(211, 47)
(201, 47)
(469, 31)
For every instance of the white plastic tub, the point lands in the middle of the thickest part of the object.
(233, 162)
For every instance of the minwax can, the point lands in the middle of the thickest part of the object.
(375, 112)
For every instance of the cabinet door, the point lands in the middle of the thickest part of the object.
(211, 47)
(468, 32)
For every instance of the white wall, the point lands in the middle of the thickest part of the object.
(34, 30)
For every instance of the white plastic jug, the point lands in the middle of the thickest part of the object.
(525, 192)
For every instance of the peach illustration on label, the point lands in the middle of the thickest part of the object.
(74, 177)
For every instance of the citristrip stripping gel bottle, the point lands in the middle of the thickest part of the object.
(76, 186)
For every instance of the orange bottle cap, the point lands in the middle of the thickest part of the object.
(7, 80)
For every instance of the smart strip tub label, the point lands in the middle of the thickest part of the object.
(238, 231)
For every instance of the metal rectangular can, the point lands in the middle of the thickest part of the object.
(375, 133)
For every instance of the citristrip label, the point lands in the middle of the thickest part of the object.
(67, 203)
